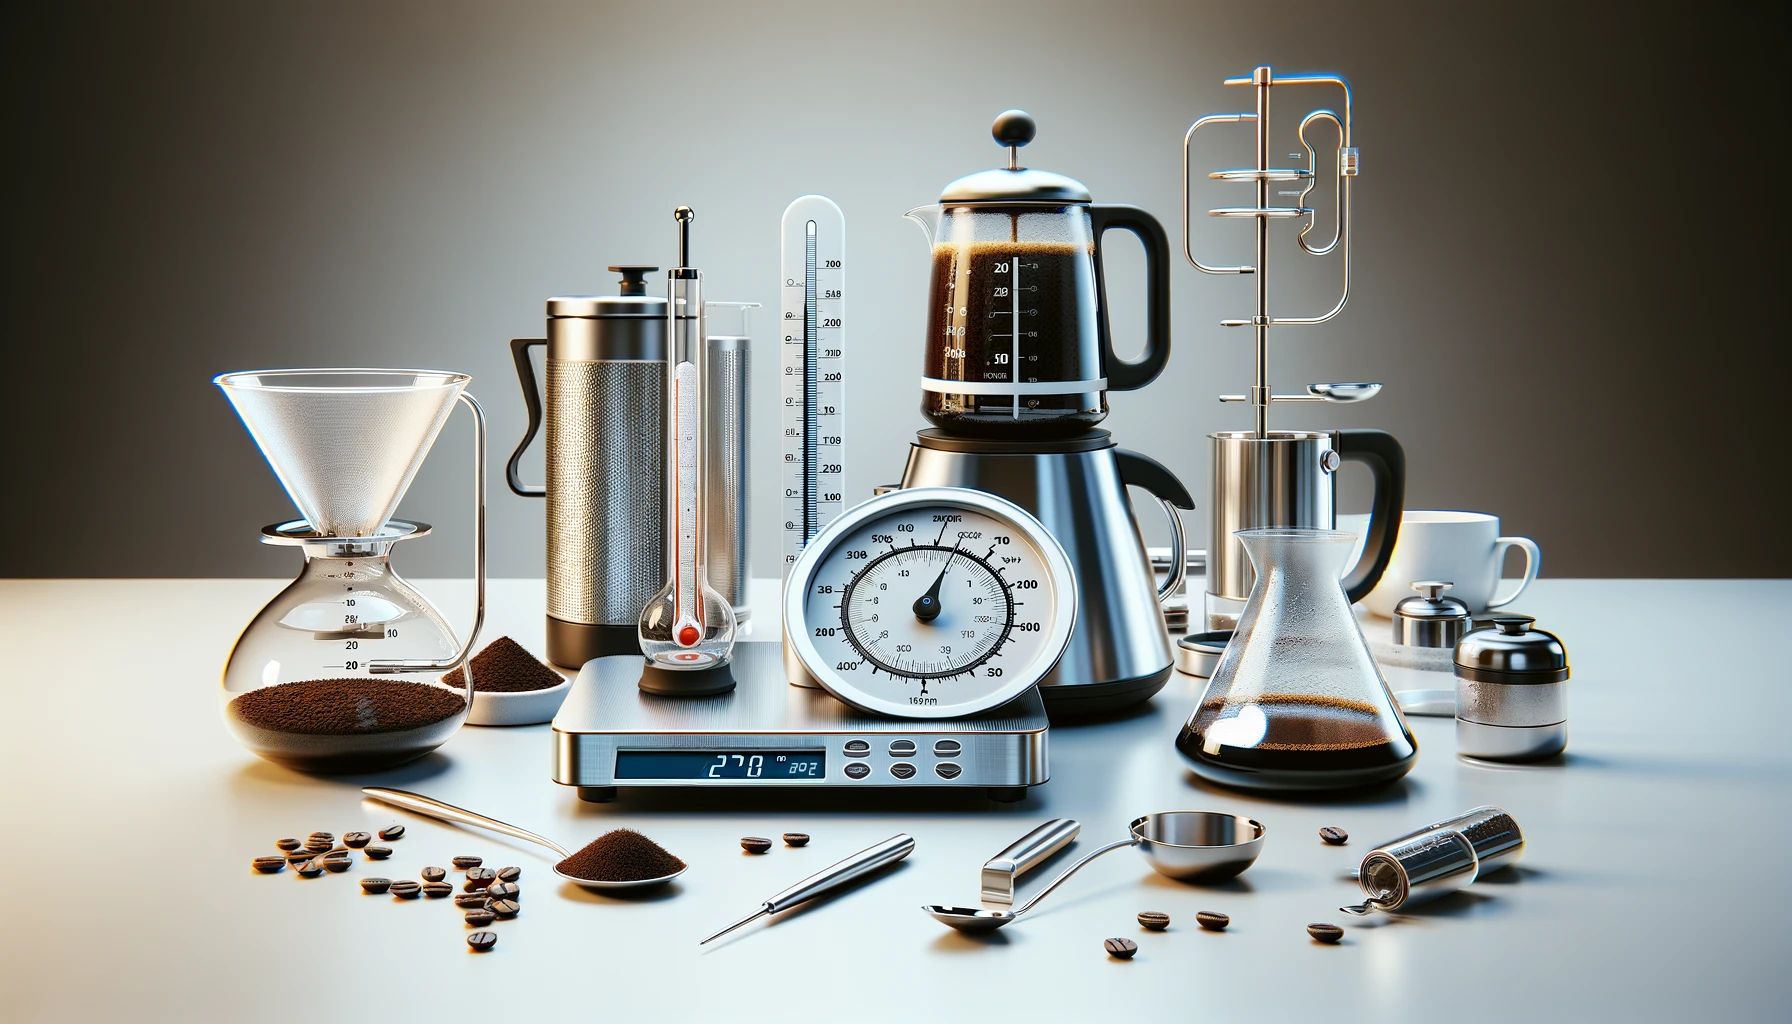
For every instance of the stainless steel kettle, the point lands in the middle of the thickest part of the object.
(604, 409)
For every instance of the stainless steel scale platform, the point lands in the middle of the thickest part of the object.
(767, 733)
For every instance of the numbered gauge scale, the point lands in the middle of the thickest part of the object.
(928, 616)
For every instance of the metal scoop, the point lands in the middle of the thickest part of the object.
(431, 808)
(1191, 846)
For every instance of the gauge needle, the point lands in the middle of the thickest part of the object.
(927, 606)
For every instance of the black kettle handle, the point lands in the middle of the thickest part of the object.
(1123, 375)
(1386, 461)
(525, 375)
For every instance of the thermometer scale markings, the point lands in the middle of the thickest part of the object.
(813, 369)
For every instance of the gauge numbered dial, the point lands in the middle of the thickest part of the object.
(933, 602)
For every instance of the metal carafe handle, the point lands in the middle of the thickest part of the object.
(1146, 472)
(1121, 374)
(525, 375)
(1380, 452)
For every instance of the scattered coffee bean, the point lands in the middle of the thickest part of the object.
(506, 874)
(1156, 920)
(335, 865)
(479, 878)
(505, 908)
(437, 890)
(392, 832)
(503, 891)
(339, 853)
(472, 901)
(1122, 949)
(326, 838)
(1334, 835)
(468, 862)
(754, 844)
(318, 845)
(376, 886)
(479, 918)
(482, 941)
(433, 874)
(1325, 932)
(796, 839)
(378, 852)
(269, 865)
(405, 889)
(1212, 920)
(357, 839)
(298, 857)
(288, 845)
(310, 869)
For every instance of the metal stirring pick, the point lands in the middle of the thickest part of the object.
(859, 864)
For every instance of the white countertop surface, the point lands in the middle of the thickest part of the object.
(1653, 885)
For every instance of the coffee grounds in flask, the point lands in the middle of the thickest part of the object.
(971, 337)
(1303, 735)
(343, 724)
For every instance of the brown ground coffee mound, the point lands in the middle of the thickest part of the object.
(506, 667)
(344, 707)
(620, 856)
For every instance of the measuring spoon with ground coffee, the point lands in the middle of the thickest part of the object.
(432, 808)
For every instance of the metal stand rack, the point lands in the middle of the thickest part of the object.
(1263, 175)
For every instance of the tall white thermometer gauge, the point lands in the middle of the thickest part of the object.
(931, 602)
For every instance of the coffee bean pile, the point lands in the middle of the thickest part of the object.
(505, 667)
(490, 894)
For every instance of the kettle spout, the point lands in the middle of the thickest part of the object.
(928, 217)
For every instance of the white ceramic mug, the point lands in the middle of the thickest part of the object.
(1463, 547)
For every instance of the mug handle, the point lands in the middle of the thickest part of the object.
(1533, 561)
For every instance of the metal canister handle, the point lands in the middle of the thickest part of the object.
(1144, 471)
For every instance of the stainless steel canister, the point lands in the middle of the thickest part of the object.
(1421, 867)
(1511, 692)
(604, 410)
(728, 381)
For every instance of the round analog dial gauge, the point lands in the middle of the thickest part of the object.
(933, 602)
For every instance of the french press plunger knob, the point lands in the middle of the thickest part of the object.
(1014, 129)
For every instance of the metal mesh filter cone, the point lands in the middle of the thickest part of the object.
(345, 443)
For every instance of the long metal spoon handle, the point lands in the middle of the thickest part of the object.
(865, 861)
(431, 808)
(1067, 872)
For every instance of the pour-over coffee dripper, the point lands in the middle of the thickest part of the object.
(1297, 703)
(342, 670)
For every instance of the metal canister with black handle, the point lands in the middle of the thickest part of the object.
(603, 408)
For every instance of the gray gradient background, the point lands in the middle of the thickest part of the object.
(1554, 276)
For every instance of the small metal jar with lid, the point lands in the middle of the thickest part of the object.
(1511, 692)
(1431, 619)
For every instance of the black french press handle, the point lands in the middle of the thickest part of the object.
(1380, 451)
(525, 375)
(1123, 375)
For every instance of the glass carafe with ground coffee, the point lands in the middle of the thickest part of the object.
(1296, 703)
(343, 670)
(1018, 344)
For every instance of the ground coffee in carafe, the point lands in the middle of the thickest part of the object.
(1007, 313)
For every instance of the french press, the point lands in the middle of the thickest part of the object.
(1018, 344)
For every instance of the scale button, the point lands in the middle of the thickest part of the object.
(857, 770)
(902, 748)
(946, 748)
(947, 770)
(902, 769)
(857, 748)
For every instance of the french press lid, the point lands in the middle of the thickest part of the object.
(1431, 619)
(632, 300)
(1510, 651)
(1014, 183)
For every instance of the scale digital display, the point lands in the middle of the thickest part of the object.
(756, 765)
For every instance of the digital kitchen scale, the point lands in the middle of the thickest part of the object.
(767, 733)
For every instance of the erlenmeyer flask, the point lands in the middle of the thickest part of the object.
(343, 670)
(1296, 702)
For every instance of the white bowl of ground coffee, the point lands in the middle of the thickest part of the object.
(511, 686)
